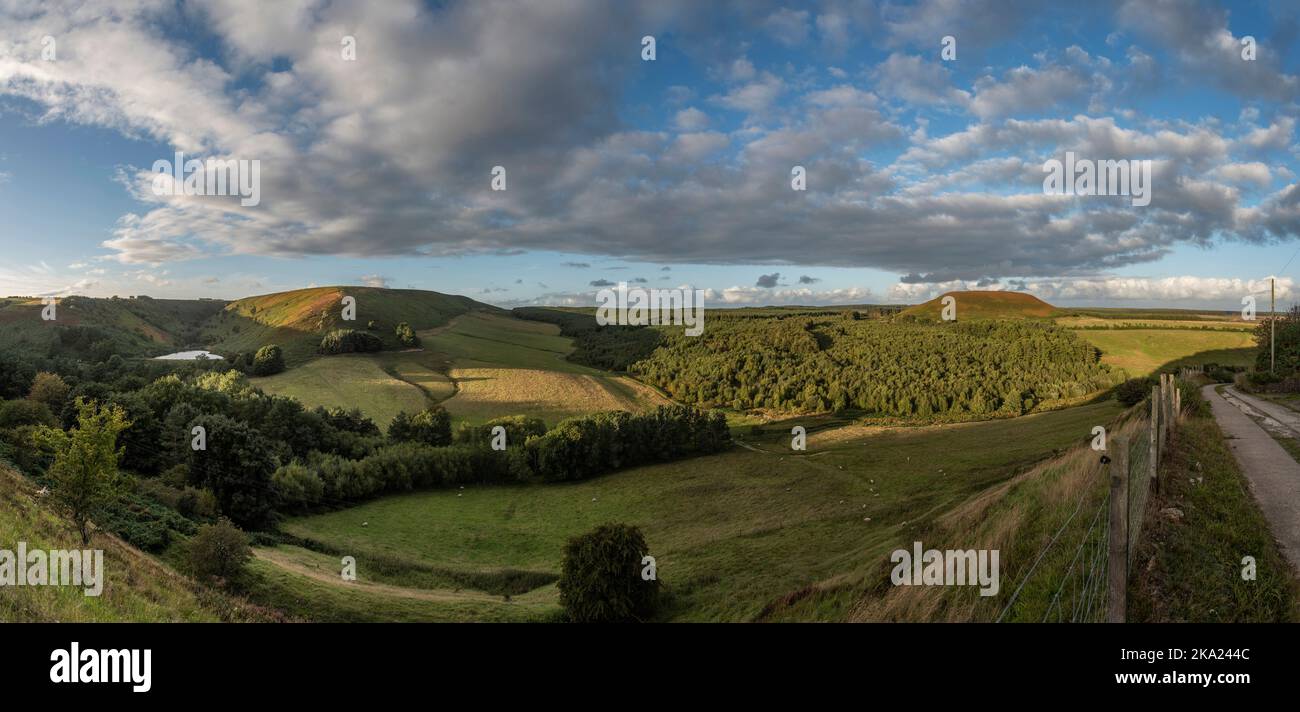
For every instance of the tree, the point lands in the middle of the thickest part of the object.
(431, 426)
(1132, 391)
(602, 578)
(406, 335)
(16, 376)
(219, 552)
(85, 470)
(268, 361)
(50, 389)
(236, 465)
(1288, 342)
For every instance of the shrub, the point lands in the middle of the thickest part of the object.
(601, 578)
(16, 413)
(347, 341)
(518, 429)
(50, 389)
(16, 376)
(219, 552)
(268, 361)
(406, 335)
(1132, 391)
(297, 486)
(431, 426)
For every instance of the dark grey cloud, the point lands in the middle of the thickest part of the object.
(805, 279)
(601, 283)
(768, 280)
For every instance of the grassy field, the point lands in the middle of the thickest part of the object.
(507, 366)
(137, 587)
(380, 385)
(733, 533)
(1141, 351)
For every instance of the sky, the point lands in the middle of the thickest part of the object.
(922, 130)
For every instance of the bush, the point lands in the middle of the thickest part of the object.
(268, 361)
(296, 486)
(219, 552)
(431, 426)
(17, 413)
(601, 578)
(347, 341)
(406, 335)
(1132, 391)
(518, 429)
(50, 389)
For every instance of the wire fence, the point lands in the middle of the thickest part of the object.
(1081, 575)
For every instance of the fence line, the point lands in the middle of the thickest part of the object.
(1094, 585)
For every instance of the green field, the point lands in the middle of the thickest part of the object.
(507, 366)
(1142, 351)
(732, 532)
(380, 385)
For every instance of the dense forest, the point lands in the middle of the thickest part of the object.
(845, 360)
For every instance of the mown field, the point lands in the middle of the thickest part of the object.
(507, 366)
(733, 533)
(1141, 351)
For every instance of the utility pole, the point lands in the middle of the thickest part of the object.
(1272, 324)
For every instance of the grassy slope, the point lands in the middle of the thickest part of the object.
(508, 366)
(296, 320)
(137, 588)
(380, 385)
(144, 326)
(984, 305)
(732, 532)
(1190, 570)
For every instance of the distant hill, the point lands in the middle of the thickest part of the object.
(297, 320)
(984, 305)
(96, 328)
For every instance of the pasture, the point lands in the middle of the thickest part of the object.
(507, 366)
(1141, 352)
(380, 385)
(733, 533)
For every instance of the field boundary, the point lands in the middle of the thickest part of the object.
(1095, 585)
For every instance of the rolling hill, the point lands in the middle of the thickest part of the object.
(297, 320)
(95, 327)
(983, 305)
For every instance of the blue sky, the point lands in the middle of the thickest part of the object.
(924, 173)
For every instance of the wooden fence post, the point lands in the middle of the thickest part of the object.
(1117, 554)
(1154, 433)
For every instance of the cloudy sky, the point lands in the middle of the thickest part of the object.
(923, 173)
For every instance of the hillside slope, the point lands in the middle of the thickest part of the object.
(296, 320)
(983, 305)
(136, 587)
(97, 328)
